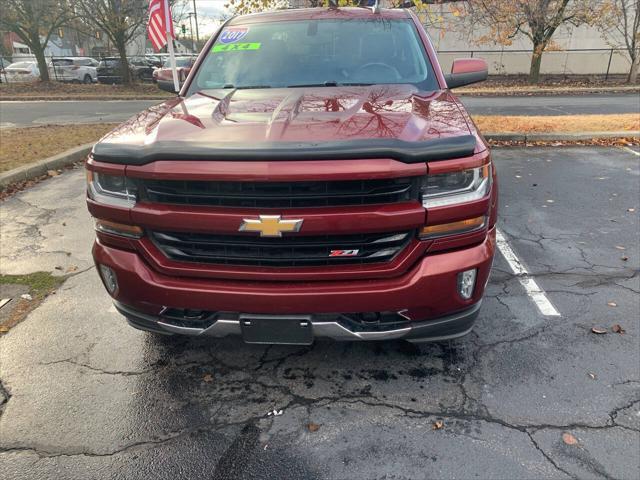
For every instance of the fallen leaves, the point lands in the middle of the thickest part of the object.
(604, 142)
(26, 296)
(53, 173)
(208, 378)
(437, 425)
(313, 427)
(592, 376)
(569, 439)
(617, 328)
(526, 124)
(624, 258)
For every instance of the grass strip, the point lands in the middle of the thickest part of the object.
(558, 124)
(21, 146)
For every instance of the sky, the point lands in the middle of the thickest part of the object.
(209, 14)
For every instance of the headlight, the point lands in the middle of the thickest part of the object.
(115, 190)
(456, 187)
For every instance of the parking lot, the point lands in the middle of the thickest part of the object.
(89, 397)
(23, 114)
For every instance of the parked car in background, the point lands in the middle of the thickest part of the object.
(3, 64)
(163, 76)
(109, 69)
(22, 72)
(155, 60)
(142, 68)
(74, 69)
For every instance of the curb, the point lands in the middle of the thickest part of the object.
(526, 92)
(559, 137)
(33, 170)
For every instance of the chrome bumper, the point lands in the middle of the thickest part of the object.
(439, 329)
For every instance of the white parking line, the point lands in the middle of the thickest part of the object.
(631, 150)
(537, 295)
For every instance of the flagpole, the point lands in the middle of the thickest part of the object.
(172, 59)
(172, 54)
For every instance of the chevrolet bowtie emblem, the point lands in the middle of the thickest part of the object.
(270, 225)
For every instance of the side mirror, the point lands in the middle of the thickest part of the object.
(466, 71)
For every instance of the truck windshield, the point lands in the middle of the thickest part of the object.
(316, 53)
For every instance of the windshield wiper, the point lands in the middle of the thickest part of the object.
(244, 87)
(328, 83)
(332, 83)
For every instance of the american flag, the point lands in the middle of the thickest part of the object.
(160, 23)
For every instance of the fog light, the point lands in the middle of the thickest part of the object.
(466, 283)
(109, 279)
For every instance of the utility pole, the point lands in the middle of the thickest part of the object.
(193, 42)
(195, 14)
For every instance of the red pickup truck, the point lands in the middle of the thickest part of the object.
(315, 177)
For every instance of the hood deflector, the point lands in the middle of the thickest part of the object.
(407, 152)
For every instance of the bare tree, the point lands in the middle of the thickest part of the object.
(34, 21)
(120, 20)
(622, 25)
(538, 20)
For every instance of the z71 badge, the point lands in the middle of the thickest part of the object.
(344, 253)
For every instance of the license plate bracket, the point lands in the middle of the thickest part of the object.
(277, 329)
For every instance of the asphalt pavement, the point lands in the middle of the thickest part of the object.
(91, 398)
(15, 114)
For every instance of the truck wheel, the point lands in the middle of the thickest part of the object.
(87, 79)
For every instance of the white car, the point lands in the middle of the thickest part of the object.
(21, 72)
(74, 69)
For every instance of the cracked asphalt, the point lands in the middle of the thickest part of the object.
(84, 396)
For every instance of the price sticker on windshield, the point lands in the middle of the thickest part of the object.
(235, 47)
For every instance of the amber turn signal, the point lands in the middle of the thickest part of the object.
(462, 226)
(120, 229)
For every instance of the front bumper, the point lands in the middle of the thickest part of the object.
(440, 329)
(425, 295)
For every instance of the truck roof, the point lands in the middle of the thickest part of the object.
(346, 13)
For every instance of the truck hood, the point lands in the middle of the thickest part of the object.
(390, 116)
